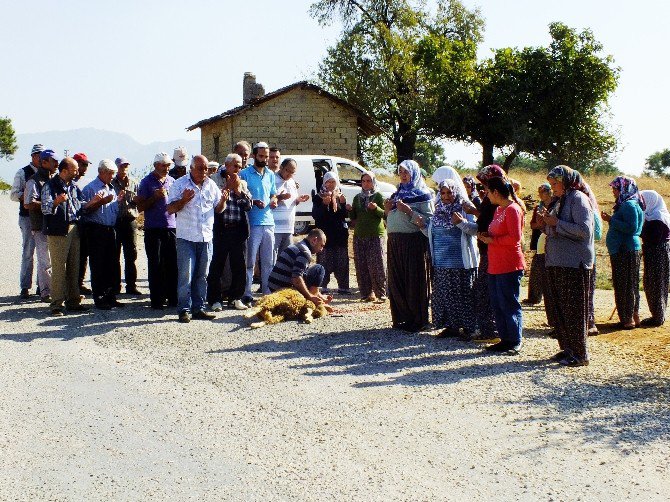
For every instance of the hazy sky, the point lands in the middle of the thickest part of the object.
(152, 68)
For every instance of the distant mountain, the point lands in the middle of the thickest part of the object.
(97, 144)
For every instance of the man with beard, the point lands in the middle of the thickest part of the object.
(160, 237)
(230, 237)
(28, 242)
(261, 183)
(32, 201)
(61, 205)
(126, 227)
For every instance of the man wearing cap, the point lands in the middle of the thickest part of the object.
(32, 201)
(126, 227)
(180, 160)
(101, 213)
(196, 198)
(82, 167)
(160, 239)
(62, 201)
(28, 242)
(261, 183)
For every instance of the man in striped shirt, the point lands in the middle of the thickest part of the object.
(293, 269)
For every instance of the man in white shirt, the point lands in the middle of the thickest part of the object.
(195, 198)
(288, 199)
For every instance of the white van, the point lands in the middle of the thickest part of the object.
(309, 175)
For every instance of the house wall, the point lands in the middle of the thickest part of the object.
(299, 122)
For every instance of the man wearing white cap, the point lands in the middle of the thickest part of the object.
(180, 160)
(261, 183)
(28, 242)
(160, 237)
(101, 212)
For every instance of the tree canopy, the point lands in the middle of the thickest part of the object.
(658, 163)
(377, 64)
(8, 144)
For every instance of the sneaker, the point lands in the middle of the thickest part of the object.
(203, 316)
(83, 289)
(238, 305)
(592, 331)
(57, 313)
(184, 316)
(25, 294)
(217, 307)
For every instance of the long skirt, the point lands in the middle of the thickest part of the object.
(452, 300)
(483, 310)
(369, 262)
(655, 279)
(569, 289)
(336, 261)
(535, 279)
(549, 299)
(626, 282)
(408, 265)
(592, 296)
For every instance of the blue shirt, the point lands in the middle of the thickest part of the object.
(156, 216)
(625, 228)
(107, 213)
(262, 187)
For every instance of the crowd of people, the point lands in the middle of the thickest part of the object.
(454, 255)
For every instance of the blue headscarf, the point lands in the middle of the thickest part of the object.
(415, 190)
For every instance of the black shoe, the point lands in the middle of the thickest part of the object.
(116, 303)
(102, 305)
(132, 290)
(157, 306)
(57, 313)
(78, 308)
(448, 333)
(25, 294)
(203, 316)
(505, 348)
(572, 361)
(184, 316)
(248, 301)
(172, 304)
(558, 356)
(650, 322)
(84, 290)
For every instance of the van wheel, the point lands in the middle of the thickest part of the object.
(300, 227)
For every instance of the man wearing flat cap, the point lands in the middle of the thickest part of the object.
(28, 242)
(126, 226)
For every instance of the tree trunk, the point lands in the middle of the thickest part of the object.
(405, 145)
(510, 158)
(487, 153)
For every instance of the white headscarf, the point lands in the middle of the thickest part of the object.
(656, 208)
(444, 173)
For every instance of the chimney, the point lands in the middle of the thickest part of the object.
(251, 91)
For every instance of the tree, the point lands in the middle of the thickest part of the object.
(548, 102)
(429, 154)
(8, 144)
(377, 63)
(658, 163)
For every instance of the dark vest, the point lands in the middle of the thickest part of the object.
(28, 173)
(57, 223)
(40, 178)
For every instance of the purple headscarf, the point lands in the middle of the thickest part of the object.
(627, 191)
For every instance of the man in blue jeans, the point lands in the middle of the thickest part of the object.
(195, 198)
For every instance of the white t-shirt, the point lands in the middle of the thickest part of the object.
(284, 213)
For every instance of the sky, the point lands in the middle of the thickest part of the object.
(152, 68)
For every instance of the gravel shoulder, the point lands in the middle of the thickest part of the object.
(129, 405)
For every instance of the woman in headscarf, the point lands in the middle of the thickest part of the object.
(656, 256)
(535, 279)
(471, 188)
(505, 265)
(453, 249)
(330, 214)
(624, 246)
(366, 213)
(408, 264)
(569, 260)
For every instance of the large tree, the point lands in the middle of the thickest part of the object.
(8, 144)
(549, 102)
(658, 163)
(377, 63)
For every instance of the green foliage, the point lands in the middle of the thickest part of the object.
(524, 162)
(658, 163)
(377, 65)
(377, 152)
(8, 144)
(4, 185)
(546, 101)
(429, 154)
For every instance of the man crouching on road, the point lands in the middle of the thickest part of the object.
(195, 198)
(293, 269)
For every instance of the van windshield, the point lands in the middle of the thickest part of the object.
(349, 174)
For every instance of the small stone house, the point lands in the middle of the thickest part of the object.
(301, 118)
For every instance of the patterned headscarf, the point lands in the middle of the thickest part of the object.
(415, 190)
(492, 171)
(656, 208)
(469, 181)
(627, 191)
(330, 175)
(572, 180)
(366, 195)
(544, 187)
(444, 211)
